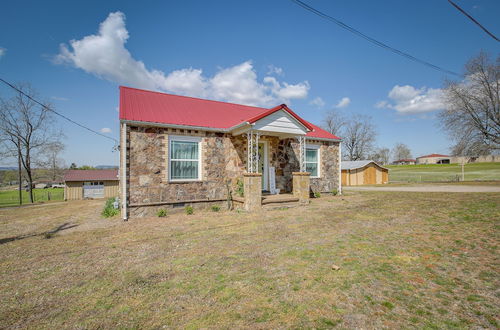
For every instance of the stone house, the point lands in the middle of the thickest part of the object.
(178, 151)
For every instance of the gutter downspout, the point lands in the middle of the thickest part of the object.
(123, 155)
(340, 168)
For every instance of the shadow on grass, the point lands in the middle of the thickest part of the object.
(46, 234)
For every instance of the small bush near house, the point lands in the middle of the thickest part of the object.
(161, 213)
(317, 194)
(189, 209)
(109, 210)
(335, 192)
(240, 190)
(215, 208)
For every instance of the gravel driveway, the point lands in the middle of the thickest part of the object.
(428, 188)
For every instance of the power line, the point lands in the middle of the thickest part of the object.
(472, 19)
(370, 39)
(57, 113)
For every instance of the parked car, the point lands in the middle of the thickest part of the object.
(58, 185)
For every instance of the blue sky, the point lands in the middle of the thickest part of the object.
(274, 51)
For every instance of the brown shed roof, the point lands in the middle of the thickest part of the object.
(91, 175)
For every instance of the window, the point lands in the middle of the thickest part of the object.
(184, 158)
(93, 183)
(312, 160)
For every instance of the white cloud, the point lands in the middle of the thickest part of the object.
(104, 55)
(318, 101)
(381, 104)
(274, 70)
(2, 51)
(59, 98)
(410, 100)
(105, 130)
(344, 102)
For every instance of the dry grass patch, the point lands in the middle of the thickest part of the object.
(427, 259)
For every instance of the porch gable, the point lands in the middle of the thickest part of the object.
(280, 122)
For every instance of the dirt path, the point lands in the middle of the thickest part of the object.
(430, 188)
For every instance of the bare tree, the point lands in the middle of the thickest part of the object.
(358, 137)
(50, 159)
(26, 129)
(334, 122)
(401, 151)
(381, 155)
(472, 114)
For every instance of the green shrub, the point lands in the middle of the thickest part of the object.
(317, 194)
(189, 209)
(335, 192)
(109, 211)
(240, 189)
(215, 208)
(161, 213)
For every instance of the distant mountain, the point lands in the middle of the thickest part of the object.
(7, 168)
(106, 167)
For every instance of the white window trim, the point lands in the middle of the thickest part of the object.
(318, 148)
(183, 138)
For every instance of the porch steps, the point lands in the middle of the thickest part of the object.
(274, 201)
(279, 201)
(284, 198)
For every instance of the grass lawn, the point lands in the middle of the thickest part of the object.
(11, 197)
(426, 260)
(445, 172)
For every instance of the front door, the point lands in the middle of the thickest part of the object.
(263, 165)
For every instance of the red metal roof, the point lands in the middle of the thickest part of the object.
(155, 107)
(91, 175)
(433, 155)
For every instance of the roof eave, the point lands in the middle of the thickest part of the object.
(150, 123)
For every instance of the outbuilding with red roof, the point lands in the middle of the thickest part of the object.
(178, 150)
(83, 184)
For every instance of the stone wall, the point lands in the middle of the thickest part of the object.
(223, 162)
(329, 171)
(329, 165)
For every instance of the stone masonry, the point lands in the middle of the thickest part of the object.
(223, 163)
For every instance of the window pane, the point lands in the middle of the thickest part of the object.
(183, 150)
(312, 168)
(184, 169)
(311, 155)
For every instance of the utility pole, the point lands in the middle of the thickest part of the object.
(19, 170)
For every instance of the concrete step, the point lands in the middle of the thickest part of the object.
(279, 199)
(273, 206)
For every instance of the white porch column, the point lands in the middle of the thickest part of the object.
(302, 153)
(253, 151)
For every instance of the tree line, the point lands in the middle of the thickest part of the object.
(471, 118)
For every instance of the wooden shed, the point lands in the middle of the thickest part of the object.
(82, 184)
(360, 172)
